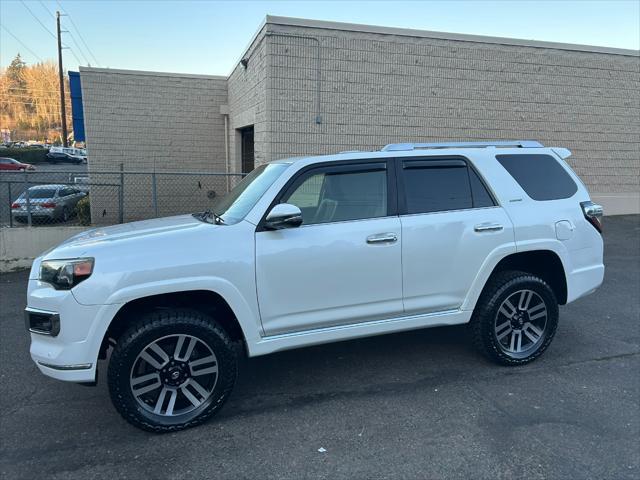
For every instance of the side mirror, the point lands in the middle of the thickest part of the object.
(283, 215)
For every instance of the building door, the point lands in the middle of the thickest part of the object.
(246, 149)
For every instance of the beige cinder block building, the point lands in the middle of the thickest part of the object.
(313, 87)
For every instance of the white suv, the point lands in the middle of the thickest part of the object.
(315, 250)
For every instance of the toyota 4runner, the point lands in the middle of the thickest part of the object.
(314, 250)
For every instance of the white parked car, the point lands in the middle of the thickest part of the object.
(315, 250)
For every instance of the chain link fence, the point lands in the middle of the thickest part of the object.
(106, 198)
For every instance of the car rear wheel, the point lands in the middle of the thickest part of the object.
(65, 214)
(515, 319)
(173, 369)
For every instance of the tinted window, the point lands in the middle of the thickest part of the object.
(66, 191)
(481, 196)
(436, 188)
(541, 176)
(340, 196)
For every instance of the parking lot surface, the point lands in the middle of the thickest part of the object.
(418, 405)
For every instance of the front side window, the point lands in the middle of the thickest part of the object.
(442, 185)
(333, 195)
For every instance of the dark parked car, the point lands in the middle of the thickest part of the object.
(66, 154)
(11, 164)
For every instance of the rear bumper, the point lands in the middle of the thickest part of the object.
(583, 281)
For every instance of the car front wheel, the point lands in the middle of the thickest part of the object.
(171, 370)
(515, 319)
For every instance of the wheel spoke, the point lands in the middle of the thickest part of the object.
(143, 380)
(173, 394)
(198, 389)
(525, 299)
(157, 350)
(503, 330)
(504, 311)
(211, 359)
(535, 329)
(190, 346)
(538, 315)
(533, 310)
(530, 335)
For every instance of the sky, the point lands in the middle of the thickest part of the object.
(208, 37)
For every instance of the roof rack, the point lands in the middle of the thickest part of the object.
(396, 147)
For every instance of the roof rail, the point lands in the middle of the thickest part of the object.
(396, 147)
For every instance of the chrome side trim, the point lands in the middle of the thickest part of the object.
(79, 366)
(337, 328)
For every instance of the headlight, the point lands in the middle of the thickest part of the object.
(66, 274)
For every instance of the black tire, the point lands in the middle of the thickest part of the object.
(501, 287)
(65, 214)
(150, 328)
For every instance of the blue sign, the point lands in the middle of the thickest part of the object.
(76, 107)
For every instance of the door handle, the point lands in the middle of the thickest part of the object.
(382, 238)
(488, 227)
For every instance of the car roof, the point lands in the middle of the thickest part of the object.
(53, 186)
(412, 153)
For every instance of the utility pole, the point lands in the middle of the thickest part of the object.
(63, 108)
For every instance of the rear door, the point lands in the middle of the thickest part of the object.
(450, 225)
(343, 265)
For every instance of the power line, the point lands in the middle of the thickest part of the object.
(79, 48)
(78, 32)
(21, 43)
(37, 19)
(74, 55)
(47, 9)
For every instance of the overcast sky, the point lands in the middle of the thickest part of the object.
(207, 37)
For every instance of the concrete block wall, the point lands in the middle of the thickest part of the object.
(247, 102)
(383, 88)
(147, 121)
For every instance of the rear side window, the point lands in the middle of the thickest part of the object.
(442, 185)
(540, 176)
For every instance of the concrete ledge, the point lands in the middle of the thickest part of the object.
(618, 203)
(21, 245)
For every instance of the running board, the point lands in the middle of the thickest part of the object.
(287, 341)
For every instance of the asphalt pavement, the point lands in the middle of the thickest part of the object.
(417, 405)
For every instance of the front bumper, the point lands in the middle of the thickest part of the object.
(72, 354)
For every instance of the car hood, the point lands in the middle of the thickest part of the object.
(132, 231)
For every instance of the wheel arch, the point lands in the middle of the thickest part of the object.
(544, 263)
(206, 301)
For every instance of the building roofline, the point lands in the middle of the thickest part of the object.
(409, 32)
(149, 73)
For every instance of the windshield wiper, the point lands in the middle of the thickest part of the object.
(207, 215)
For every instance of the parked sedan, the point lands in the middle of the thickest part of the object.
(11, 164)
(67, 154)
(47, 203)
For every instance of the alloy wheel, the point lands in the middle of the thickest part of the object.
(520, 323)
(174, 375)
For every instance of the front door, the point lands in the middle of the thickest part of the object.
(343, 265)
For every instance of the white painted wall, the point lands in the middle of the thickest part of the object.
(20, 246)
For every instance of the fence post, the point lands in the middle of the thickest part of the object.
(121, 194)
(154, 192)
(26, 192)
(10, 203)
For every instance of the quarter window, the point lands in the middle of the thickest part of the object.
(337, 196)
(540, 176)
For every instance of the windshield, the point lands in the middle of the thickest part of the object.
(234, 206)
